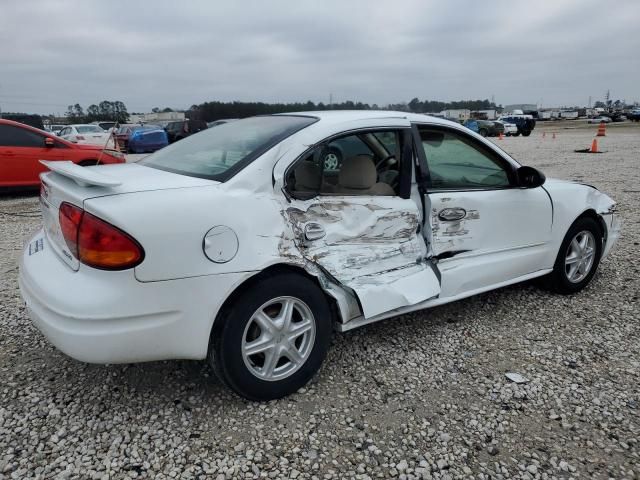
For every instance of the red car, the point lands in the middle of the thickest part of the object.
(22, 146)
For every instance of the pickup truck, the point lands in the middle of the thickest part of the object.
(525, 123)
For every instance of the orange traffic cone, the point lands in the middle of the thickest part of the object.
(602, 128)
(500, 136)
(594, 146)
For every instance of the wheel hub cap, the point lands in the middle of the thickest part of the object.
(278, 338)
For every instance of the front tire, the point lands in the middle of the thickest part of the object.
(578, 258)
(274, 337)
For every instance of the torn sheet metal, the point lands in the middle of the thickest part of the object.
(387, 291)
(370, 245)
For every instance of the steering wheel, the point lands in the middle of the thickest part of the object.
(379, 164)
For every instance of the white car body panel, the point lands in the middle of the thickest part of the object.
(504, 235)
(371, 259)
(103, 138)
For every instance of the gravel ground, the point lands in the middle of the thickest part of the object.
(420, 396)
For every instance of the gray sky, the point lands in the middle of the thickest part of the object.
(177, 53)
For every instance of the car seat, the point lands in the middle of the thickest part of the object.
(358, 176)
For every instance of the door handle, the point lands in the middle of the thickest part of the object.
(313, 231)
(452, 214)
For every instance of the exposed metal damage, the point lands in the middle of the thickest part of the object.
(372, 249)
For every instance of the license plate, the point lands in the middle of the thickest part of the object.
(36, 246)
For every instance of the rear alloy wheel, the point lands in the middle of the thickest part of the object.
(578, 257)
(274, 338)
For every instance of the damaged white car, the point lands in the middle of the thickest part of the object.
(249, 243)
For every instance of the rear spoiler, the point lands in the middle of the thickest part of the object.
(85, 177)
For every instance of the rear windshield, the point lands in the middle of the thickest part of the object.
(89, 129)
(221, 152)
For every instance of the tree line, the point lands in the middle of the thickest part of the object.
(216, 110)
(105, 110)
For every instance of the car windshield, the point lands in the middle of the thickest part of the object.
(89, 129)
(221, 152)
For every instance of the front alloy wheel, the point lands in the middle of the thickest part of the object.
(580, 256)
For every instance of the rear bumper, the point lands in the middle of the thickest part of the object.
(110, 317)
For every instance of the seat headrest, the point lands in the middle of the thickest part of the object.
(307, 176)
(357, 173)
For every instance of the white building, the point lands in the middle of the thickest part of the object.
(160, 117)
(461, 114)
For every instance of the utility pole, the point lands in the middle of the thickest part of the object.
(330, 101)
(589, 101)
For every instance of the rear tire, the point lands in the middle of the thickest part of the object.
(483, 132)
(286, 321)
(567, 277)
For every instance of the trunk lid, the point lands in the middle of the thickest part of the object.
(74, 184)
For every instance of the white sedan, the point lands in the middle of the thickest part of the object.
(238, 244)
(601, 119)
(93, 134)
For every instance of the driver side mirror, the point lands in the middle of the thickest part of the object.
(49, 142)
(529, 177)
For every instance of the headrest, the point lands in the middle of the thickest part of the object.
(358, 173)
(307, 176)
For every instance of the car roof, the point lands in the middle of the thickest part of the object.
(339, 116)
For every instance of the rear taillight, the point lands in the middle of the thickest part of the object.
(97, 243)
(70, 217)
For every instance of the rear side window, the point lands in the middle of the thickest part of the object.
(11, 136)
(219, 153)
(365, 163)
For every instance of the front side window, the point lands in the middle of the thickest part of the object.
(11, 136)
(357, 164)
(220, 152)
(456, 161)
